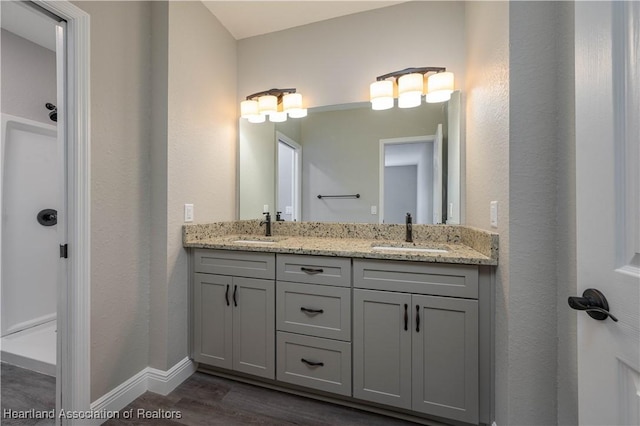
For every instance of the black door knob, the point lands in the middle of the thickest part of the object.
(47, 217)
(593, 303)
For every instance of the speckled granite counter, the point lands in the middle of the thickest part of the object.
(434, 243)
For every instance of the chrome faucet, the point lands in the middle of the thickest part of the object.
(267, 221)
(409, 233)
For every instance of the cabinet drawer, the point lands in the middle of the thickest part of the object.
(416, 277)
(314, 269)
(236, 263)
(314, 362)
(316, 310)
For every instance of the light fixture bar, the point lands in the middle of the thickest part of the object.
(276, 104)
(421, 70)
(279, 93)
(411, 84)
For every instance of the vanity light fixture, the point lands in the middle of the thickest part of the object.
(273, 103)
(411, 86)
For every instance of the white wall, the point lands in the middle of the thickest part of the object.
(120, 191)
(334, 61)
(28, 78)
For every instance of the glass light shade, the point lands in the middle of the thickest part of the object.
(381, 95)
(410, 88)
(278, 117)
(257, 118)
(298, 113)
(409, 100)
(292, 105)
(291, 101)
(268, 104)
(439, 87)
(248, 108)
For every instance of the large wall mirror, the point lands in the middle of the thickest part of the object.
(348, 163)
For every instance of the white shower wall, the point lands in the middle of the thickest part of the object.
(29, 250)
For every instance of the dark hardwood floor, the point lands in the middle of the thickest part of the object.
(201, 400)
(208, 400)
(23, 390)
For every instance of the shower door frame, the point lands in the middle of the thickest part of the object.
(73, 362)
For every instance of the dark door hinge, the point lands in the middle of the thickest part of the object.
(64, 253)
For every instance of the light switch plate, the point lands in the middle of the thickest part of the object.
(188, 212)
(288, 210)
(374, 210)
(265, 208)
(493, 214)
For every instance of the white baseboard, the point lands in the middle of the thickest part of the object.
(163, 382)
(149, 379)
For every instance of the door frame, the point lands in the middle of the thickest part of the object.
(73, 339)
(436, 141)
(297, 173)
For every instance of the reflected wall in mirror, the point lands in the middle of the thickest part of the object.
(340, 150)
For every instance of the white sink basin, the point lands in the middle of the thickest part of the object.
(408, 247)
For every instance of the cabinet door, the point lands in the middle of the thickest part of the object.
(254, 326)
(445, 357)
(212, 338)
(382, 347)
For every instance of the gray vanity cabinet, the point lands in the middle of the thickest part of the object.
(234, 316)
(314, 322)
(415, 351)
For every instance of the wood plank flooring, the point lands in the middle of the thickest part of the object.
(201, 400)
(23, 390)
(209, 400)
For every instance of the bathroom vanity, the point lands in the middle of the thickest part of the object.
(399, 328)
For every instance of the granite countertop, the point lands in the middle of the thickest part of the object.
(434, 243)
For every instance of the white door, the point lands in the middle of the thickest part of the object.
(608, 208)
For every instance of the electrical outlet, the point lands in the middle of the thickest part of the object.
(374, 210)
(265, 208)
(288, 210)
(188, 212)
(493, 214)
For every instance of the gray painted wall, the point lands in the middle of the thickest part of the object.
(520, 152)
(201, 149)
(487, 165)
(153, 151)
(28, 78)
(567, 374)
(257, 173)
(400, 198)
(334, 61)
(120, 191)
(341, 155)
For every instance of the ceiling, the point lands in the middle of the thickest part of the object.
(250, 18)
(241, 18)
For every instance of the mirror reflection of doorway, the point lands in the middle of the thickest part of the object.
(288, 178)
(411, 179)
